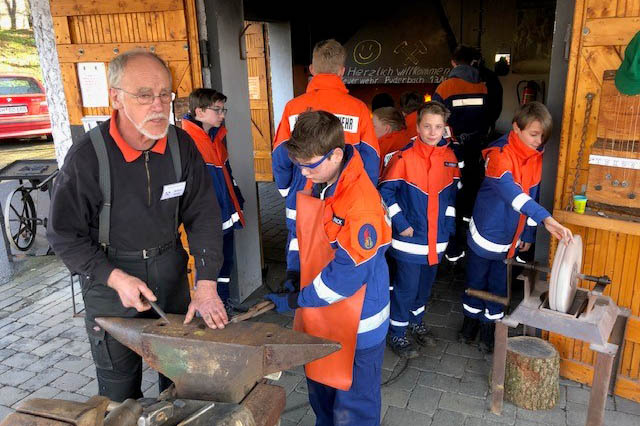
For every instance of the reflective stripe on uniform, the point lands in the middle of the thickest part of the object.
(399, 323)
(531, 222)
(394, 209)
(519, 201)
(324, 292)
(374, 321)
(291, 213)
(412, 248)
(467, 102)
(493, 317)
(229, 223)
(451, 211)
(418, 311)
(293, 245)
(223, 280)
(284, 192)
(484, 243)
(471, 309)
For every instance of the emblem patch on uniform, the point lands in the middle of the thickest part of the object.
(338, 220)
(450, 164)
(367, 236)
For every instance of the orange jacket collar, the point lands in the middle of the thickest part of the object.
(128, 152)
(326, 81)
(424, 149)
(519, 147)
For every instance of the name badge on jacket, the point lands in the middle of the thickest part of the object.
(173, 190)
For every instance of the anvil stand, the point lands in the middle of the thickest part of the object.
(593, 318)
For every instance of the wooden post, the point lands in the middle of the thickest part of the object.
(599, 390)
(51, 77)
(499, 360)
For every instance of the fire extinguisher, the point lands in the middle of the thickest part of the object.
(530, 92)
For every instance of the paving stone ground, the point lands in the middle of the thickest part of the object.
(44, 353)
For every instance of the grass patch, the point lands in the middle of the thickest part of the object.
(18, 53)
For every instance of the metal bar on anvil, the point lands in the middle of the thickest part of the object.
(216, 365)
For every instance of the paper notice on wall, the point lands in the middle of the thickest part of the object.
(254, 87)
(92, 77)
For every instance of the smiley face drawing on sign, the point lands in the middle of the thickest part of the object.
(367, 51)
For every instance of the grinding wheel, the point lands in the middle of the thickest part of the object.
(563, 281)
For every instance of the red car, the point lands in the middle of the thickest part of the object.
(23, 108)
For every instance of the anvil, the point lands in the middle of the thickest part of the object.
(220, 365)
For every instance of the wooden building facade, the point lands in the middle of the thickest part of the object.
(95, 31)
(601, 30)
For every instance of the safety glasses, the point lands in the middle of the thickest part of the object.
(312, 165)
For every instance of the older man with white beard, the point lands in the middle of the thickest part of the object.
(123, 190)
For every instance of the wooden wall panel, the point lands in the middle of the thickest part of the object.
(601, 30)
(94, 31)
(100, 7)
(259, 99)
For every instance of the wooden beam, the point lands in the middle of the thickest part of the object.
(192, 30)
(99, 7)
(61, 30)
(598, 222)
(609, 31)
(167, 50)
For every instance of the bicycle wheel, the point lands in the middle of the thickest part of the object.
(20, 219)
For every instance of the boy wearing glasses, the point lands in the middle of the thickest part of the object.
(205, 124)
(326, 92)
(343, 232)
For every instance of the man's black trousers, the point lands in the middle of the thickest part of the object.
(119, 369)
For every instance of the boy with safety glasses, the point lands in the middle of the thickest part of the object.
(205, 124)
(343, 233)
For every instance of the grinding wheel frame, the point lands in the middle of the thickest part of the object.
(563, 281)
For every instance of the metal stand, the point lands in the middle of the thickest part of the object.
(593, 318)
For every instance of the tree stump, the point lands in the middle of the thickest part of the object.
(532, 373)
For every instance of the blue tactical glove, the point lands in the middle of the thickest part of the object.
(284, 302)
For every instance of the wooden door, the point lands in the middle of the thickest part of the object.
(92, 31)
(260, 98)
(601, 31)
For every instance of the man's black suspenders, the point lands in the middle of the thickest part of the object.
(104, 170)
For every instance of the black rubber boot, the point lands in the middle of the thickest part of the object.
(469, 330)
(487, 337)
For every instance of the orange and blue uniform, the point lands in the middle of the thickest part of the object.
(392, 142)
(344, 232)
(325, 92)
(419, 186)
(212, 147)
(505, 213)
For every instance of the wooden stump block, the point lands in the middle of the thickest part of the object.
(532, 373)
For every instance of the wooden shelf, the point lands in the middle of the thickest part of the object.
(592, 220)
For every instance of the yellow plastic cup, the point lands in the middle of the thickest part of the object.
(579, 203)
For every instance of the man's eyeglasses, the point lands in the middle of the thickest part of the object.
(149, 98)
(312, 165)
(218, 110)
